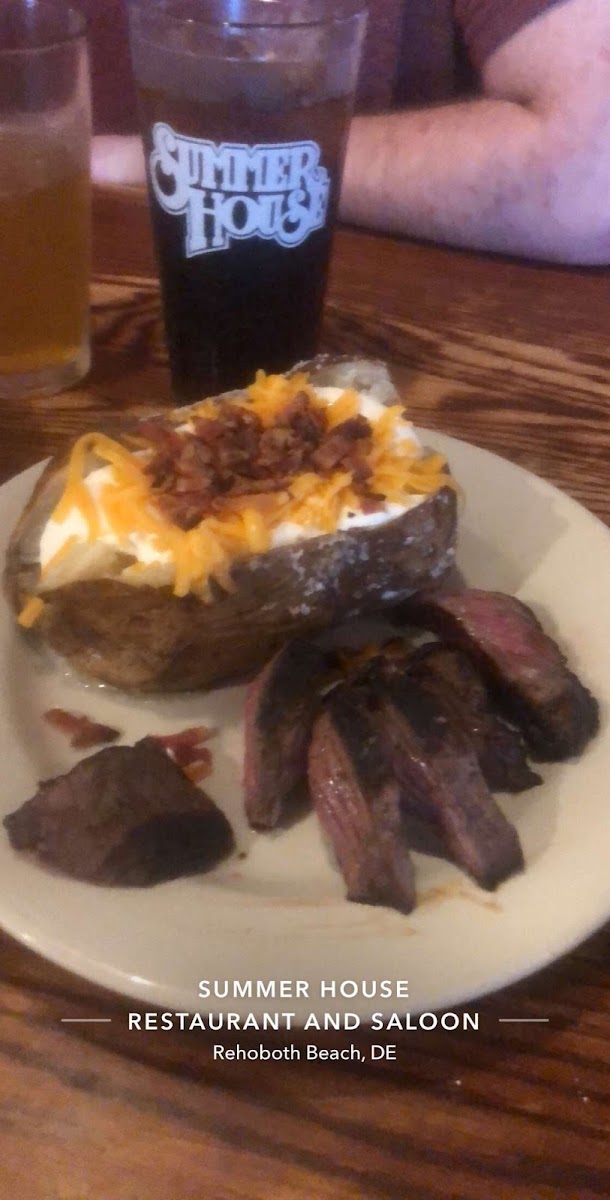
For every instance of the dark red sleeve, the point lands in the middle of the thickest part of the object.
(486, 24)
(112, 87)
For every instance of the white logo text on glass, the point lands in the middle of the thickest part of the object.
(228, 190)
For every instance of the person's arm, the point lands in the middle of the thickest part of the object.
(118, 159)
(523, 170)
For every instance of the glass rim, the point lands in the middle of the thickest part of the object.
(76, 28)
(162, 8)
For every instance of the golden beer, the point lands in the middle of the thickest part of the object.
(45, 141)
(44, 272)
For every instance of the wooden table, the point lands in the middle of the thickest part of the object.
(510, 356)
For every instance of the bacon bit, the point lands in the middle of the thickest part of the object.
(346, 444)
(230, 455)
(186, 750)
(157, 432)
(83, 732)
(193, 736)
(372, 503)
(199, 770)
(183, 756)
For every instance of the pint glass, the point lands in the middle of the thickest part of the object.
(244, 107)
(45, 134)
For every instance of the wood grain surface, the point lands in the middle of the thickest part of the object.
(510, 356)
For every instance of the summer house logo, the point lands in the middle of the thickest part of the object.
(278, 192)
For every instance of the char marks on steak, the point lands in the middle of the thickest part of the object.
(357, 800)
(450, 676)
(557, 714)
(280, 706)
(442, 784)
(126, 815)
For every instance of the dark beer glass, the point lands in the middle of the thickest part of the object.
(244, 107)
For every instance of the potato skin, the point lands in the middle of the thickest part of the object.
(21, 571)
(147, 639)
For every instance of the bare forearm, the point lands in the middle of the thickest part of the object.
(478, 174)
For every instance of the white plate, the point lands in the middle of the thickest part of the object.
(279, 913)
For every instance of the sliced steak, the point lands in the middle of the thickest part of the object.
(556, 713)
(500, 749)
(280, 707)
(442, 784)
(126, 815)
(357, 801)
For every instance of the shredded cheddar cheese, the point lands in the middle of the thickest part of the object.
(195, 559)
(269, 394)
(30, 612)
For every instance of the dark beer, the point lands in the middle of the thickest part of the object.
(237, 298)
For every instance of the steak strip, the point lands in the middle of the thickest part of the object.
(442, 784)
(280, 706)
(548, 702)
(357, 801)
(453, 680)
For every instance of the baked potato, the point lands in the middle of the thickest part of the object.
(153, 623)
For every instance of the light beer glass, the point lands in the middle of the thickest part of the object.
(45, 140)
(244, 108)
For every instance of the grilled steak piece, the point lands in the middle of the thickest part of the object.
(280, 707)
(556, 713)
(126, 815)
(451, 677)
(442, 784)
(357, 801)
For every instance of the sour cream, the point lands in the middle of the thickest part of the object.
(142, 548)
(139, 547)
